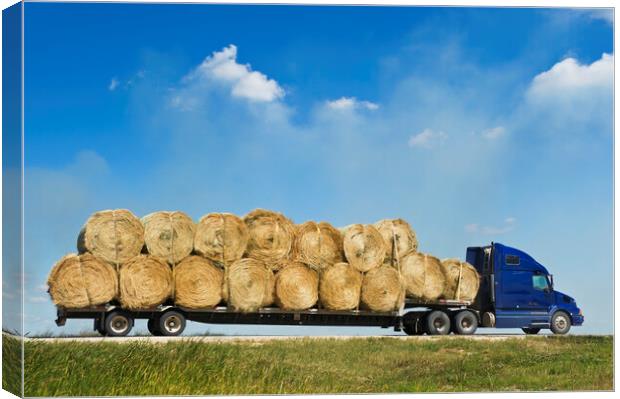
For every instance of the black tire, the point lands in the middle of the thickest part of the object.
(99, 328)
(437, 323)
(152, 325)
(560, 323)
(465, 323)
(118, 323)
(171, 323)
(413, 327)
(531, 331)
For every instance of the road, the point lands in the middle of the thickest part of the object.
(263, 338)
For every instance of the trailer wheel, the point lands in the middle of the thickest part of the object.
(560, 323)
(437, 323)
(99, 328)
(171, 323)
(530, 331)
(413, 327)
(118, 323)
(151, 325)
(465, 323)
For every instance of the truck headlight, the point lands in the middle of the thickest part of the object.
(580, 312)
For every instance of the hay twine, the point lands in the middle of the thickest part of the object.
(399, 237)
(364, 247)
(145, 281)
(296, 287)
(339, 287)
(112, 235)
(197, 283)
(271, 236)
(319, 245)
(169, 235)
(382, 290)
(250, 285)
(78, 281)
(462, 280)
(423, 276)
(221, 237)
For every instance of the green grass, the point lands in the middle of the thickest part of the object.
(319, 366)
(11, 364)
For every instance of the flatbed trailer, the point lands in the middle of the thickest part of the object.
(515, 292)
(113, 320)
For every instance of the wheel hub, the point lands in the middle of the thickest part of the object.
(172, 324)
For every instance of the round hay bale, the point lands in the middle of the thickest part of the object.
(297, 287)
(364, 247)
(169, 235)
(467, 288)
(145, 282)
(382, 290)
(113, 235)
(399, 237)
(271, 237)
(250, 285)
(197, 283)
(423, 276)
(78, 281)
(221, 237)
(319, 245)
(339, 287)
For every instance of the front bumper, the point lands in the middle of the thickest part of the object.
(577, 319)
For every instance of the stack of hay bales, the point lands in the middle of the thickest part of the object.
(260, 260)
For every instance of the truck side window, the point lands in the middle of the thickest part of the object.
(512, 260)
(539, 282)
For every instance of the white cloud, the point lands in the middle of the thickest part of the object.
(245, 83)
(427, 138)
(346, 103)
(605, 14)
(571, 98)
(494, 133)
(508, 226)
(570, 78)
(113, 84)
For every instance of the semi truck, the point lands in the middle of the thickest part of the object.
(515, 291)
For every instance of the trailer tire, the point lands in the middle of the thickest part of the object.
(413, 327)
(99, 327)
(560, 323)
(118, 323)
(437, 323)
(151, 325)
(531, 330)
(465, 323)
(171, 323)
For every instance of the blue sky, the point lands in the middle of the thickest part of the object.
(476, 125)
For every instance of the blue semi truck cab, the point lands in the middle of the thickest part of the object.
(518, 292)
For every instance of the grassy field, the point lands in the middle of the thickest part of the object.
(310, 366)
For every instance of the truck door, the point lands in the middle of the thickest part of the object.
(525, 297)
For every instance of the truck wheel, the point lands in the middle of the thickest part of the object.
(171, 323)
(413, 327)
(437, 323)
(529, 331)
(151, 325)
(560, 323)
(99, 328)
(118, 324)
(465, 323)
